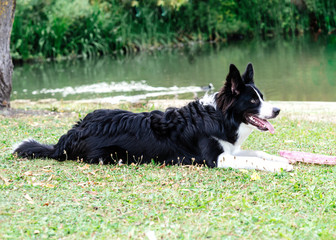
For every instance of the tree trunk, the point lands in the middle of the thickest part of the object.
(7, 8)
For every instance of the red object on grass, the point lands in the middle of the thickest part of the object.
(305, 157)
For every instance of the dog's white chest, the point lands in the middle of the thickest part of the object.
(243, 132)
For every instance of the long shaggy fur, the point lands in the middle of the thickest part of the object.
(178, 135)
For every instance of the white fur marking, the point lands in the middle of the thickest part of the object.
(243, 132)
(209, 100)
(266, 109)
(246, 162)
(262, 155)
(236, 158)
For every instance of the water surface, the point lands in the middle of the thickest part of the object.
(295, 70)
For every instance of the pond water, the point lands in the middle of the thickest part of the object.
(295, 70)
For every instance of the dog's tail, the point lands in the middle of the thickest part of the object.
(33, 149)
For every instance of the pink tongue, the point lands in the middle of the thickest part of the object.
(269, 126)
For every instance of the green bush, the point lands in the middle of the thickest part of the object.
(65, 28)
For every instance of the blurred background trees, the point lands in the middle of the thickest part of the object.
(71, 28)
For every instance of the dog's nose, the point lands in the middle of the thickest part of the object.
(276, 111)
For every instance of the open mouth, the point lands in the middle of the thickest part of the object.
(261, 124)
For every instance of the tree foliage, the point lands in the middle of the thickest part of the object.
(58, 28)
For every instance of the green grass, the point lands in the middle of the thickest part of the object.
(69, 200)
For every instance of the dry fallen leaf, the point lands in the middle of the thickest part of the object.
(42, 184)
(92, 192)
(93, 172)
(5, 180)
(51, 177)
(28, 173)
(85, 167)
(162, 166)
(27, 197)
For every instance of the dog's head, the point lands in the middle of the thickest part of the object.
(241, 98)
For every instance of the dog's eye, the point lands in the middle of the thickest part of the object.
(254, 101)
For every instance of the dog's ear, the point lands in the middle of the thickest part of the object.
(233, 86)
(234, 81)
(248, 74)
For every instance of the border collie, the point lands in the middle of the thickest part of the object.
(209, 131)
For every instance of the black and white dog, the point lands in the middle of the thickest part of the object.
(209, 131)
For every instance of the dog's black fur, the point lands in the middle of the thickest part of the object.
(187, 135)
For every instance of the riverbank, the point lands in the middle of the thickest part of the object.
(310, 111)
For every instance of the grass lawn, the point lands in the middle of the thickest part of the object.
(46, 199)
